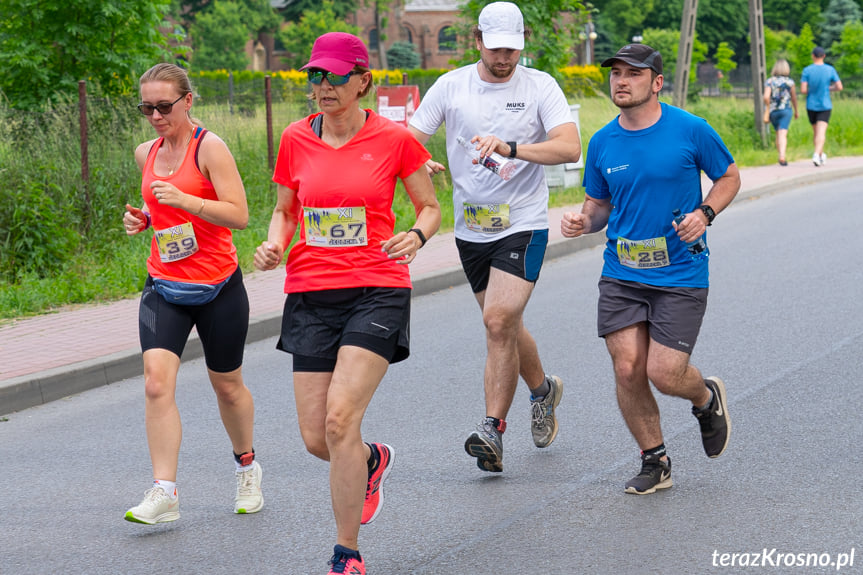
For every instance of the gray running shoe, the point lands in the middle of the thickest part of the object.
(486, 444)
(714, 421)
(655, 474)
(543, 423)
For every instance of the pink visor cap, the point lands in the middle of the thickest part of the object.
(338, 52)
(502, 26)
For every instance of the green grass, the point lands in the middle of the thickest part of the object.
(61, 243)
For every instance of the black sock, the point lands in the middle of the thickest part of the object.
(342, 550)
(658, 451)
(374, 458)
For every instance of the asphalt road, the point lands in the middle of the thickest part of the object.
(783, 330)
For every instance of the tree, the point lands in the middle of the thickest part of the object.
(724, 63)
(838, 13)
(849, 51)
(812, 16)
(550, 46)
(667, 42)
(403, 56)
(620, 20)
(219, 37)
(784, 14)
(800, 49)
(776, 46)
(47, 47)
(299, 37)
(293, 10)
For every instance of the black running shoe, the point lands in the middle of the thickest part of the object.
(655, 474)
(714, 421)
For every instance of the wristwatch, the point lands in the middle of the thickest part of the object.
(708, 213)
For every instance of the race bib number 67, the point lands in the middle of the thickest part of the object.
(335, 227)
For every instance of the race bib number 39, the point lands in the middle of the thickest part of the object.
(176, 243)
(486, 218)
(642, 254)
(335, 227)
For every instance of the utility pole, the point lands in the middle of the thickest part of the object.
(759, 67)
(684, 52)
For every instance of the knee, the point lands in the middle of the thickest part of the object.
(500, 325)
(317, 446)
(629, 373)
(229, 387)
(157, 387)
(337, 427)
(665, 380)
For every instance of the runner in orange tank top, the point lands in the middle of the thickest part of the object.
(193, 196)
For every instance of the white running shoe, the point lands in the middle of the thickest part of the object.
(249, 497)
(157, 507)
(823, 159)
(816, 159)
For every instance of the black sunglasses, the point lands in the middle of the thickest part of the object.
(317, 76)
(164, 109)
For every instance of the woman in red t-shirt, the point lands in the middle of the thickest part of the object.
(347, 311)
(193, 197)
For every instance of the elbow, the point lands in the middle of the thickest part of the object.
(574, 153)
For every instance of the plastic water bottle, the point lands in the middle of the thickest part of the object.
(503, 167)
(697, 249)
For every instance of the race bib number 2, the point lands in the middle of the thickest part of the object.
(642, 254)
(335, 227)
(177, 242)
(487, 218)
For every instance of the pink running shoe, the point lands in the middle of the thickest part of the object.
(375, 488)
(346, 562)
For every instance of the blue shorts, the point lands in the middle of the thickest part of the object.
(781, 119)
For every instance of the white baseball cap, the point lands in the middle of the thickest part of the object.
(502, 26)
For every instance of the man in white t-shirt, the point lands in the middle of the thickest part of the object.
(501, 225)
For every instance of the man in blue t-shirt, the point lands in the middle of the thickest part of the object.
(817, 81)
(641, 168)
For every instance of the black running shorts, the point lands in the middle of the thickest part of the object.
(316, 324)
(519, 254)
(222, 324)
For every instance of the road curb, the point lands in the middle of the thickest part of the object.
(42, 387)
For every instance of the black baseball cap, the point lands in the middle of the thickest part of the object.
(638, 55)
(818, 52)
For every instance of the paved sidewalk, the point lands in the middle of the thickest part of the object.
(59, 354)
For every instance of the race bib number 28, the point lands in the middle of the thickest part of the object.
(642, 254)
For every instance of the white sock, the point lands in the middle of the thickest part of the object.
(169, 487)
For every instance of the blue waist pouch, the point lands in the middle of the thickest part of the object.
(182, 293)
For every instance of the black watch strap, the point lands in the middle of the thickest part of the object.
(420, 235)
(512, 149)
(708, 213)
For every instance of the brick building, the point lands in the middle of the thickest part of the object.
(427, 24)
